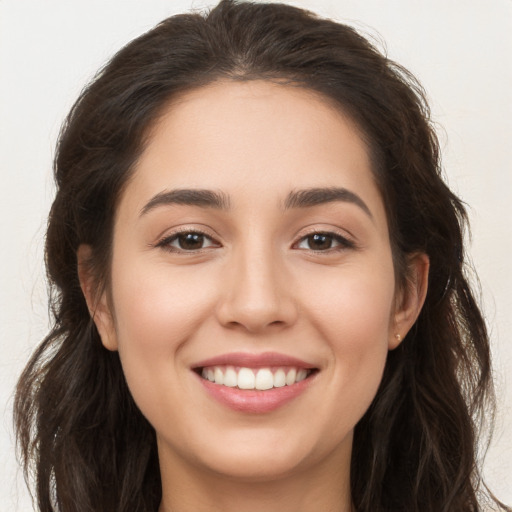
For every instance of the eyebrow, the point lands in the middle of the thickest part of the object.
(305, 198)
(309, 197)
(191, 197)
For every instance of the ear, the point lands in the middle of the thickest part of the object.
(410, 299)
(98, 305)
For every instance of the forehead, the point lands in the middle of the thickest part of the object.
(252, 140)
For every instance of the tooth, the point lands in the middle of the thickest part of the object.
(230, 379)
(279, 378)
(290, 377)
(301, 375)
(246, 378)
(264, 379)
(219, 376)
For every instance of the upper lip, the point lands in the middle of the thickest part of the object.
(248, 360)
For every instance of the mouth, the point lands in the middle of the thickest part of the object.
(255, 383)
(247, 378)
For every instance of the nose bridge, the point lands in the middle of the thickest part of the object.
(256, 296)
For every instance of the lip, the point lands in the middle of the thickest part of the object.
(254, 401)
(249, 360)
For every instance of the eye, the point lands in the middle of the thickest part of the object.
(323, 242)
(187, 241)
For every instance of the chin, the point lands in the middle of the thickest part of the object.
(258, 455)
(256, 465)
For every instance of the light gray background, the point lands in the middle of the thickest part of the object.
(460, 51)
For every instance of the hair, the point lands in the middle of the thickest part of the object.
(81, 437)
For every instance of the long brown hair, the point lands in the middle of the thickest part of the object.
(81, 436)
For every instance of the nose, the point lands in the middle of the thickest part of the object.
(256, 294)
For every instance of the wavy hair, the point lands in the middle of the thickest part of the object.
(81, 437)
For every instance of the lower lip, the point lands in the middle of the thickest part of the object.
(255, 401)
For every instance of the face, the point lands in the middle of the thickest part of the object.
(253, 294)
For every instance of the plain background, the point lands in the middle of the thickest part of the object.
(460, 51)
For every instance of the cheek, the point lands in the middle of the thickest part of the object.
(353, 305)
(159, 306)
(157, 312)
(354, 311)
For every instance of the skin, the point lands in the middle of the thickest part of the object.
(258, 284)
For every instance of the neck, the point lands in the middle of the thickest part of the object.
(189, 489)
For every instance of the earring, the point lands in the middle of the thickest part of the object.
(398, 338)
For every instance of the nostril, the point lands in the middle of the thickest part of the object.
(256, 300)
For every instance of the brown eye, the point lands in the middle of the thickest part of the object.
(324, 242)
(188, 241)
(319, 242)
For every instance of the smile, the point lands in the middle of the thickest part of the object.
(255, 383)
(254, 378)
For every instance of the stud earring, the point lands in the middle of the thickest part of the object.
(398, 338)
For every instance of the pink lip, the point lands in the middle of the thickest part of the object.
(255, 401)
(254, 360)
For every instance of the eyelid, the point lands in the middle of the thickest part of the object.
(164, 241)
(345, 240)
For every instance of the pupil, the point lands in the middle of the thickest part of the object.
(191, 241)
(319, 241)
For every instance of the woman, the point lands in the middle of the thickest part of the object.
(258, 282)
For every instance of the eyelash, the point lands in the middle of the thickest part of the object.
(165, 243)
(343, 242)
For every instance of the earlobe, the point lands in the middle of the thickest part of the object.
(98, 305)
(411, 298)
